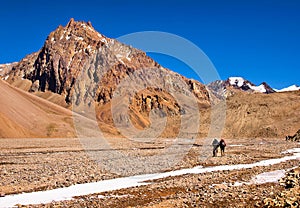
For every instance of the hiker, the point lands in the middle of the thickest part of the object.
(222, 145)
(215, 145)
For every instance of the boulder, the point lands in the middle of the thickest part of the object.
(295, 138)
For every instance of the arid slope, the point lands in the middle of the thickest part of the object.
(262, 115)
(25, 115)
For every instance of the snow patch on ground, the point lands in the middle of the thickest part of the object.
(114, 184)
(113, 196)
(294, 150)
(69, 192)
(238, 183)
(268, 177)
(236, 145)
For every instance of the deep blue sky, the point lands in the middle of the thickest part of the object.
(258, 40)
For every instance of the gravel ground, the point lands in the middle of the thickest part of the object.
(45, 164)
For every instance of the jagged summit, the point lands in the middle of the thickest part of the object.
(243, 84)
(66, 50)
(78, 31)
(64, 53)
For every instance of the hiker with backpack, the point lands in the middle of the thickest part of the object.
(222, 145)
(216, 144)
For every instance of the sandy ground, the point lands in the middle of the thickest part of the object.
(29, 165)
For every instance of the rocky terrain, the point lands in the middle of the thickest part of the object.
(290, 196)
(234, 188)
(5, 69)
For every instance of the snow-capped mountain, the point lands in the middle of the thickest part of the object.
(241, 83)
(222, 88)
(290, 88)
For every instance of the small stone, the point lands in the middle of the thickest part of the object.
(220, 186)
(2, 194)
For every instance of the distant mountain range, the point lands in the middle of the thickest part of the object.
(224, 88)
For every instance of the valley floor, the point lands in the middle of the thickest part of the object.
(30, 165)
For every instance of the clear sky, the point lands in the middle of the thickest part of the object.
(256, 39)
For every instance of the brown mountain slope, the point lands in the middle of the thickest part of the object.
(262, 115)
(25, 115)
(248, 116)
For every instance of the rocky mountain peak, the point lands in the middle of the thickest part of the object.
(77, 31)
(78, 50)
(268, 88)
(64, 53)
(71, 22)
(246, 85)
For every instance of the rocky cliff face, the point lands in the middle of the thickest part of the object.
(77, 53)
(5, 70)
